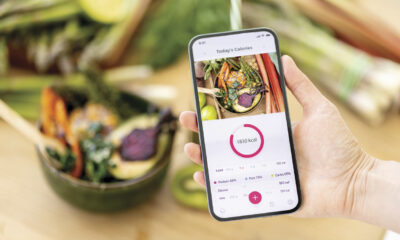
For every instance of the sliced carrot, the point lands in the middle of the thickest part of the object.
(78, 167)
(54, 118)
(227, 71)
(223, 75)
(61, 119)
(219, 84)
(47, 101)
(220, 75)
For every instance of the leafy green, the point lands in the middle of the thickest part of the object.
(220, 93)
(232, 94)
(212, 65)
(235, 84)
(66, 160)
(169, 26)
(97, 153)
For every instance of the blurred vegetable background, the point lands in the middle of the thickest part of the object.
(56, 37)
(346, 47)
(60, 38)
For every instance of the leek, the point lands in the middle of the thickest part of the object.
(366, 84)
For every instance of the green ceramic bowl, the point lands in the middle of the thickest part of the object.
(103, 197)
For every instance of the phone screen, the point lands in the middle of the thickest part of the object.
(244, 125)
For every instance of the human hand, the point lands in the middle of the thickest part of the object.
(332, 165)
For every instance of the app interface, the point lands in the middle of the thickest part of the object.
(245, 132)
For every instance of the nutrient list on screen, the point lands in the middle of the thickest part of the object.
(250, 167)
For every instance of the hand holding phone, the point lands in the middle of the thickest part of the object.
(339, 179)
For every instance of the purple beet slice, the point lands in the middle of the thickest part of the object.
(140, 144)
(245, 100)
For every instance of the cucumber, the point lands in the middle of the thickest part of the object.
(107, 11)
(186, 191)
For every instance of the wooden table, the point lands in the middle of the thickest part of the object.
(30, 210)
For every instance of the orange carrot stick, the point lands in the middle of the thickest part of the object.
(220, 75)
(54, 116)
(61, 118)
(47, 100)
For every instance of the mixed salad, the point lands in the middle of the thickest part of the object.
(104, 144)
(239, 83)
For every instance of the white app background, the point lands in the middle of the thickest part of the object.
(253, 176)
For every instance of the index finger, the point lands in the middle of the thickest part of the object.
(188, 119)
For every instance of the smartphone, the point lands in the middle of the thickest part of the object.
(244, 125)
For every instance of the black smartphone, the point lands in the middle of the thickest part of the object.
(244, 125)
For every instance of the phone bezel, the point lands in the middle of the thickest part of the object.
(201, 134)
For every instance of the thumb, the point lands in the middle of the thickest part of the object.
(301, 87)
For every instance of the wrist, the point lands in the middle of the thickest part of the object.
(377, 193)
(357, 191)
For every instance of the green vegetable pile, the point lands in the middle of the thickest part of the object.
(252, 76)
(168, 27)
(212, 65)
(55, 33)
